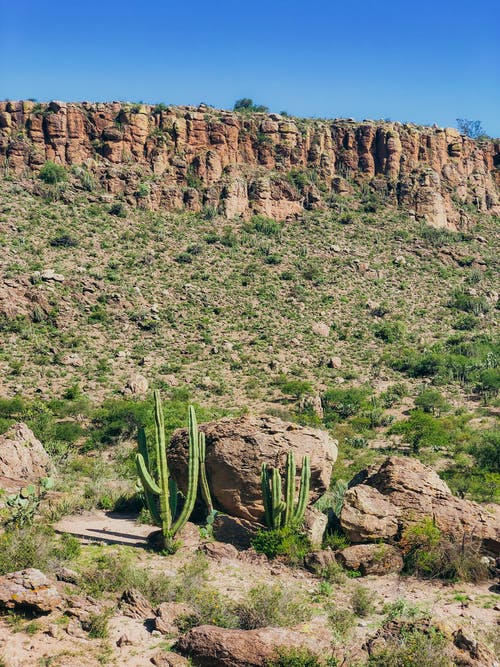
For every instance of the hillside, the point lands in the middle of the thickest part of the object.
(337, 274)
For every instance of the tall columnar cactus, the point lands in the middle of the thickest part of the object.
(205, 489)
(160, 489)
(283, 512)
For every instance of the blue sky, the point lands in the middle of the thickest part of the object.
(423, 61)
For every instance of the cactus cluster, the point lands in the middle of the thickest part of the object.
(281, 512)
(160, 489)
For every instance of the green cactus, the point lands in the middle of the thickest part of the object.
(160, 490)
(205, 489)
(279, 512)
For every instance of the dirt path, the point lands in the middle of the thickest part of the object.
(107, 527)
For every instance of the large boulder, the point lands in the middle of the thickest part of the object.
(29, 590)
(22, 457)
(211, 646)
(236, 450)
(383, 500)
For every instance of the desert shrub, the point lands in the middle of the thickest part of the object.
(97, 624)
(299, 657)
(465, 322)
(402, 609)
(413, 647)
(52, 173)
(116, 571)
(118, 209)
(275, 606)
(430, 554)
(469, 303)
(422, 430)
(488, 384)
(246, 105)
(341, 622)
(295, 388)
(390, 332)
(486, 450)
(431, 401)
(363, 601)
(34, 546)
(342, 403)
(286, 541)
(260, 224)
(64, 241)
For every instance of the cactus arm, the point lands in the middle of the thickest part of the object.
(163, 473)
(147, 481)
(278, 506)
(142, 447)
(290, 487)
(173, 495)
(266, 495)
(205, 489)
(193, 473)
(305, 481)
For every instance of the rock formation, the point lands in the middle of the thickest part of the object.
(236, 450)
(238, 164)
(382, 501)
(22, 457)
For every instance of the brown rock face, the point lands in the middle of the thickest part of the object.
(239, 164)
(29, 589)
(236, 450)
(210, 646)
(22, 457)
(385, 500)
(371, 559)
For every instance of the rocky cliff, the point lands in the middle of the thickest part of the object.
(235, 164)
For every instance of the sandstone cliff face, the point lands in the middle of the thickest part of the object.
(187, 157)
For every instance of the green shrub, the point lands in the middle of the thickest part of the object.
(260, 224)
(52, 173)
(413, 647)
(286, 541)
(342, 403)
(390, 332)
(341, 622)
(274, 606)
(34, 546)
(423, 430)
(428, 553)
(469, 303)
(299, 657)
(431, 401)
(362, 601)
(487, 451)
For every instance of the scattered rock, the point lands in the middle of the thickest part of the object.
(219, 551)
(382, 501)
(51, 275)
(210, 646)
(334, 362)
(320, 329)
(318, 561)
(166, 614)
(68, 575)
(29, 589)
(236, 449)
(22, 457)
(315, 523)
(137, 385)
(134, 605)
(367, 559)
(169, 659)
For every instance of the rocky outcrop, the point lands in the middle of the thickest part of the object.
(236, 450)
(210, 646)
(22, 457)
(382, 501)
(29, 590)
(367, 559)
(258, 163)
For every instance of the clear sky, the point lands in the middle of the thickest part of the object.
(423, 61)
